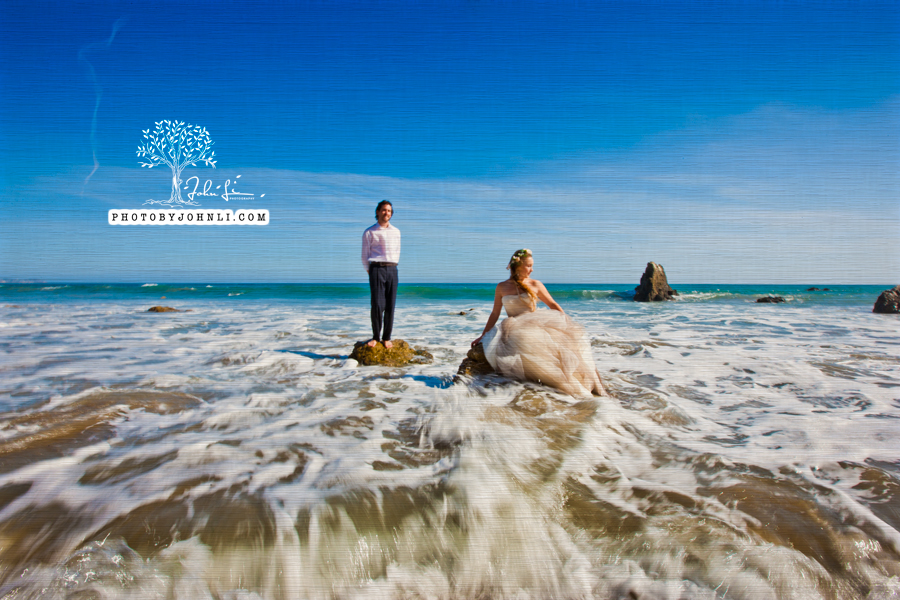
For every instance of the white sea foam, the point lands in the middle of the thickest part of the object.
(472, 490)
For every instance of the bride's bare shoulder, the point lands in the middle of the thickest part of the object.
(506, 287)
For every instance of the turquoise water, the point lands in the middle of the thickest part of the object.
(843, 295)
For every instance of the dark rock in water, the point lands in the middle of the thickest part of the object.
(400, 355)
(165, 309)
(770, 300)
(815, 289)
(475, 363)
(654, 286)
(888, 302)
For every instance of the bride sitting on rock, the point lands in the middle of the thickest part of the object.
(545, 346)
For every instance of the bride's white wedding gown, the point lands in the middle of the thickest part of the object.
(545, 346)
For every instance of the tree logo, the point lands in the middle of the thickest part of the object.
(177, 145)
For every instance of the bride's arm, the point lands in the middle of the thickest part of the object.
(545, 297)
(495, 314)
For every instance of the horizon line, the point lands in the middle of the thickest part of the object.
(411, 283)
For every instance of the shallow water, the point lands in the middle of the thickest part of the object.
(747, 451)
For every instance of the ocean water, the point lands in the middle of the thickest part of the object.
(235, 451)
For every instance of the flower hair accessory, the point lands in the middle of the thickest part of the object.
(518, 256)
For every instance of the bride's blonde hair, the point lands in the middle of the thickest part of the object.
(515, 262)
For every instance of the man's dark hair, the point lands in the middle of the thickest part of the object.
(382, 203)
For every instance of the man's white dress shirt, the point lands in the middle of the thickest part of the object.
(380, 244)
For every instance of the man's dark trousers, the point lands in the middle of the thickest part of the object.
(383, 285)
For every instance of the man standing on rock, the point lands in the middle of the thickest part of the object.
(380, 255)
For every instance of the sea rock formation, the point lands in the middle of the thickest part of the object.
(475, 363)
(815, 289)
(654, 286)
(158, 309)
(770, 300)
(399, 355)
(888, 302)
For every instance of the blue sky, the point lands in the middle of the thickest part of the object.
(729, 141)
